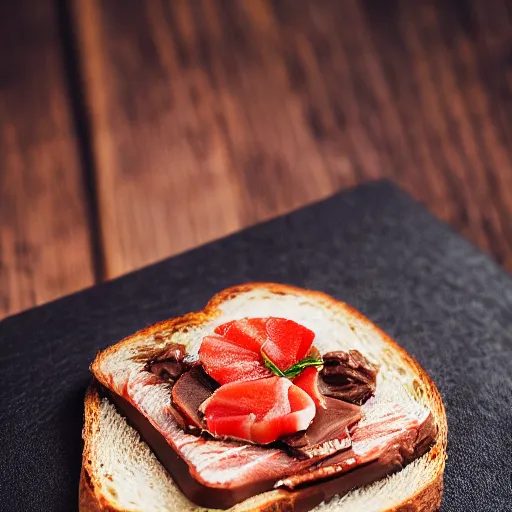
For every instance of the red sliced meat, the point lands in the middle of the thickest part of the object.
(258, 411)
(287, 342)
(250, 333)
(229, 361)
(308, 382)
(234, 352)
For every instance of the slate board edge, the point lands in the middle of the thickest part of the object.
(382, 184)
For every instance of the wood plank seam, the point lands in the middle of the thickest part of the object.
(81, 121)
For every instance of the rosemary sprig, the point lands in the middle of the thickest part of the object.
(295, 369)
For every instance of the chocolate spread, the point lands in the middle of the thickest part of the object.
(300, 493)
(348, 376)
(171, 363)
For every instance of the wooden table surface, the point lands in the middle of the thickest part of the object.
(131, 130)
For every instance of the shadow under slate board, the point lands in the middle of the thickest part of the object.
(373, 247)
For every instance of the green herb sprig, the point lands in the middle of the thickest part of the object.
(298, 368)
(271, 366)
(294, 370)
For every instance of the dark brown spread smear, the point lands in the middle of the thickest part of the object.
(171, 363)
(348, 376)
(312, 466)
(172, 462)
(408, 445)
(328, 432)
(190, 391)
(301, 492)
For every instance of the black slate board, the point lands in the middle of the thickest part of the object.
(373, 247)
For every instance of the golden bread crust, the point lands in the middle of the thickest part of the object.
(428, 499)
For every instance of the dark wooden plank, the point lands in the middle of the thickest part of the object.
(398, 85)
(209, 116)
(195, 132)
(44, 242)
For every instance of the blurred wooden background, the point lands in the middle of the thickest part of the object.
(131, 130)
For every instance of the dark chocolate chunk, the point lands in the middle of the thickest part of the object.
(190, 391)
(328, 432)
(348, 376)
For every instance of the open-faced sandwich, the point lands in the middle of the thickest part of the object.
(272, 398)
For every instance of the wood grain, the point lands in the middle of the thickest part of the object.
(44, 241)
(196, 133)
(401, 90)
(209, 116)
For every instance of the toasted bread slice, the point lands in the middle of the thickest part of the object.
(119, 471)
